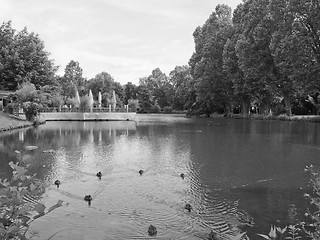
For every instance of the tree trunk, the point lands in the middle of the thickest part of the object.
(245, 105)
(287, 103)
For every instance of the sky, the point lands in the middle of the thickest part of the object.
(125, 38)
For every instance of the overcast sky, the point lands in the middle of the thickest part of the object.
(126, 38)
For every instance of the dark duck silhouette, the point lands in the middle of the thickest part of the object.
(57, 183)
(188, 207)
(88, 199)
(152, 230)
(140, 172)
(99, 175)
(182, 175)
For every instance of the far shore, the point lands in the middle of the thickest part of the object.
(282, 117)
(11, 122)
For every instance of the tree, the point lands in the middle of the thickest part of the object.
(119, 90)
(50, 96)
(296, 45)
(130, 92)
(23, 59)
(145, 98)
(211, 85)
(104, 83)
(158, 86)
(72, 79)
(180, 79)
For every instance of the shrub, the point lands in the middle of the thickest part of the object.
(155, 109)
(313, 229)
(10, 108)
(31, 110)
(167, 110)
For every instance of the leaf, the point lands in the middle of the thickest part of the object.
(14, 229)
(4, 183)
(20, 171)
(39, 208)
(264, 236)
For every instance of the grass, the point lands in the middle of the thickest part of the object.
(282, 117)
(8, 122)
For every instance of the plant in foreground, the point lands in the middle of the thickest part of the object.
(18, 204)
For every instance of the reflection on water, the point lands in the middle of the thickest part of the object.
(237, 172)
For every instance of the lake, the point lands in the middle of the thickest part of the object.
(239, 175)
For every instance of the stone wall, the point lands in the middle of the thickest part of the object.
(94, 116)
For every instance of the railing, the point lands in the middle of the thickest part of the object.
(87, 110)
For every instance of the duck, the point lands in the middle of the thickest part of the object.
(152, 230)
(140, 172)
(182, 175)
(88, 199)
(188, 207)
(99, 175)
(57, 183)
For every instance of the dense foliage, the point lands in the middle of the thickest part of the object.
(19, 206)
(263, 57)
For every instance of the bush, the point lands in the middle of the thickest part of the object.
(155, 109)
(167, 110)
(10, 108)
(31, 110)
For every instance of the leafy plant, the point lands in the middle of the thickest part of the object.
(31, 110)
(313, 229)
(294, 232)
(17, 211)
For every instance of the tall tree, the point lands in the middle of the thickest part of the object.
(180, 79)
(120, 94)
(72, 79)
(212, 86)
(103, 82)
(296, 44)
(23, 59)
(130, 92)
(158, 86)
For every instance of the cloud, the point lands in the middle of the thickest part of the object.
(126, 38)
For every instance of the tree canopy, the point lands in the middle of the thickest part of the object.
(263, 57)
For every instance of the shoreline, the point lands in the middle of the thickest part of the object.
(10, 122)
(282, 117)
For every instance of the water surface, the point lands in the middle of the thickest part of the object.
(233, 168)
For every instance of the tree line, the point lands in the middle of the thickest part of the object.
(263, 57)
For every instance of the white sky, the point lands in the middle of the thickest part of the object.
(126, 38)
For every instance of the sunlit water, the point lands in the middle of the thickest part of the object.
(230, 166)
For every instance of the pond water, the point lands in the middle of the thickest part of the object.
(235, 170)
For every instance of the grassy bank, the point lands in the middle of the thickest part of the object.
(301, 118)
(8, 122)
